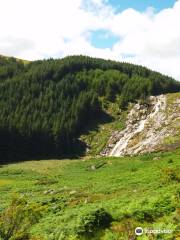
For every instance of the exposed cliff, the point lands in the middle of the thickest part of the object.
(151, 126)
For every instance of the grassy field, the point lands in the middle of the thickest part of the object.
(103, 198)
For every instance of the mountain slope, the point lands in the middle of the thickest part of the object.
(152, 126)
(10, 67)
(45, 105)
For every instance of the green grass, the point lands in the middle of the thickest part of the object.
(135, 191)
(97, 137)
(173, 105)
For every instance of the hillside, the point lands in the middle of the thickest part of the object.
(47, 106)
(153, 125)
(76, 107)
(10, 59)
(10, 67)
(97, 199)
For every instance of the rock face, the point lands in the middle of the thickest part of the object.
(147, 126)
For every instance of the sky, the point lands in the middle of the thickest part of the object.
(144, 32)
(141, 5)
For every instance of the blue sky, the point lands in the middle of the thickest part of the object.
(103, 39)
(99, 28)
(141, 5)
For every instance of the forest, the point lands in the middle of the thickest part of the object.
(44, 105)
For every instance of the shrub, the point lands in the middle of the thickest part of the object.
(124, 229)
(109, 235)
(170, 160)
(17, 219)
(158, 209)
(170, 174)
(94, 221)
(146, 215)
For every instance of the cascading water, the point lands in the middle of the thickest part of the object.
(137, 125)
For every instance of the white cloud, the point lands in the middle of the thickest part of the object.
(34, 29)
(153, 39)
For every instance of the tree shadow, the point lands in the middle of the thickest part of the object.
(94, 123)
(91, 125)
(76, 150)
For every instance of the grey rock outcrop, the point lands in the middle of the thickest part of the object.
(146, 128)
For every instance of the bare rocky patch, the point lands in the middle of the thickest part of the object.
(149, 127)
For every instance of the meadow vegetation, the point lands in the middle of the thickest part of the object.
(99, 198)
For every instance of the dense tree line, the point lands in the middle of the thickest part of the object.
(9, 67)
(44, 105)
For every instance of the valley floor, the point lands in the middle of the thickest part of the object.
(131, 191)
